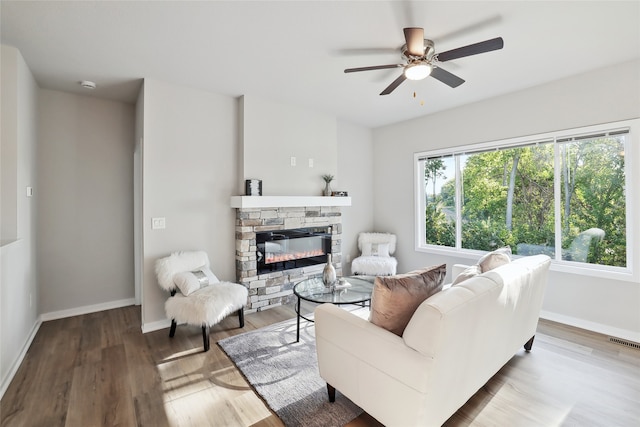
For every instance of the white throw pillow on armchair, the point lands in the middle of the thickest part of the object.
(190, 281)
(376, 249)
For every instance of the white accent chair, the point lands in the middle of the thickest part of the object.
(375, 259)
(197, 296)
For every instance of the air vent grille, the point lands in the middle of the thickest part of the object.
(624, 343)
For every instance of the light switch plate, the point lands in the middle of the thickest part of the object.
(158, 223)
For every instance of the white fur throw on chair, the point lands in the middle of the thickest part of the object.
(179, 262)
(374, 266)
(376, 262)
(206, 306)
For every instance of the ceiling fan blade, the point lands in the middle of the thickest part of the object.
(394, 85)
(415, 40)
(375, 67)
(446, 77)
(472, 49)
(361, 51)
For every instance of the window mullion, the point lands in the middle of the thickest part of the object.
(458, 201)
(557, 199)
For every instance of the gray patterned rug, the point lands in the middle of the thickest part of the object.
(285, 374)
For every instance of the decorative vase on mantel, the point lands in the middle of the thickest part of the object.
(327, 189)
(327, 185)
(329, 274)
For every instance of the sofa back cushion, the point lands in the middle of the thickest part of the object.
(395, 298)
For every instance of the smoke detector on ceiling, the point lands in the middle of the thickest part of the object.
(88, 84)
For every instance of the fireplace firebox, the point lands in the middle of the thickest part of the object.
(286, 249)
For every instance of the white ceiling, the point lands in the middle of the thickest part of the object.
(295, 51)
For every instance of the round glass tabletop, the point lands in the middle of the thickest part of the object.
(349, 290)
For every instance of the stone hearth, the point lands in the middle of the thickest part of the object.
(274, 289)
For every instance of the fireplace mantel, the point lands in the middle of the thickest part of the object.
(244, 202)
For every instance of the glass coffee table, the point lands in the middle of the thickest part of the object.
(349, 290)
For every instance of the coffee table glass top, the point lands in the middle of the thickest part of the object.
(356, 290)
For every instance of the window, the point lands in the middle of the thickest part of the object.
(566, 191)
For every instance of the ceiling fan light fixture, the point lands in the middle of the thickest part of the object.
(417, 71)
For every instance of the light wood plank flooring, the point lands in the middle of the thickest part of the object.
(100, 370)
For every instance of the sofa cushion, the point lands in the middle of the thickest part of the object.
(467, 273)
(395, 298)
(495, 259)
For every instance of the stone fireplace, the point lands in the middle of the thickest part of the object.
(272, 285)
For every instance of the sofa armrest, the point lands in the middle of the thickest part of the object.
(350, 347)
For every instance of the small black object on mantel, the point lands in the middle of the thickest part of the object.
(253, 187)
(339, 194)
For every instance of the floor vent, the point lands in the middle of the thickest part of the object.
(625, 343)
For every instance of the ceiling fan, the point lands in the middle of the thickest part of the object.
(423, 61)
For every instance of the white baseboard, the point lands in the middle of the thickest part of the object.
(54, 315)
(16, 363)
(155, 326)
(611, 331)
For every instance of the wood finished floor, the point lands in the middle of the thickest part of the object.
(100, 370)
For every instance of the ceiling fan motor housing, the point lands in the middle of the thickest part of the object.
(428, 53)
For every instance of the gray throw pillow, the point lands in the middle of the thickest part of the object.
(396, 298)
(495, 259)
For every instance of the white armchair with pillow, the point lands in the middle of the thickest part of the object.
(375, 259)
(197, 296)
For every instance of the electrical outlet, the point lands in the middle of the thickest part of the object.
(293, 161)
(310, 163)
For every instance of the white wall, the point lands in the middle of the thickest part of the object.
(189, 176)
(85, 226)
(272, 133)
(193, 146)
(18, 275)
(9, 147)
(355, 160)
(602, 96)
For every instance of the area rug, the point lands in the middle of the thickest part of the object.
(285, 374)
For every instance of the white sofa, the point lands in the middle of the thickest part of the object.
(455, 342)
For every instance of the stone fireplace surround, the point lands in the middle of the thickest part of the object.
(259, 213)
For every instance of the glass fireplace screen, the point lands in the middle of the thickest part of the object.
(286, 249)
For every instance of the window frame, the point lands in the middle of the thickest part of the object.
(628, 273)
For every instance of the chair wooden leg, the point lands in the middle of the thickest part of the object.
(205, 337)
(172, 331)
(331, 390)
(529, 344)
(241, 317)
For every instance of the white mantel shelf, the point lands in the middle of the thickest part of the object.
(287, 201)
